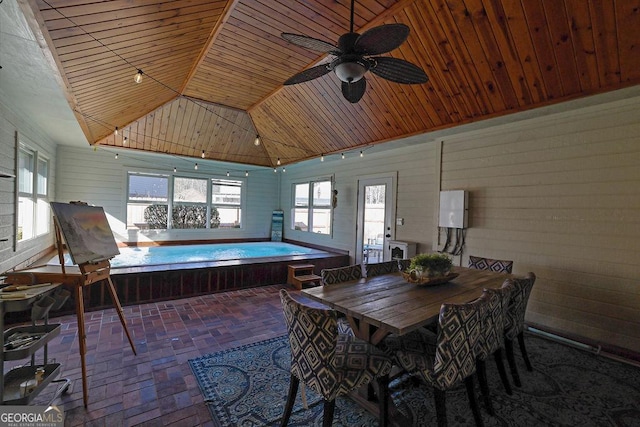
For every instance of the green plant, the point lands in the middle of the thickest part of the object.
(433, 263)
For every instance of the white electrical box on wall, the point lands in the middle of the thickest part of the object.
(453, 209)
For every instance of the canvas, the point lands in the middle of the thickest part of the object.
(86, 231)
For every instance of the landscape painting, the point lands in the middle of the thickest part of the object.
(86, 231)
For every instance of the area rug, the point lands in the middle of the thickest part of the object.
(247, 386)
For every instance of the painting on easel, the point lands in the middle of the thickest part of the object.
(86, 231)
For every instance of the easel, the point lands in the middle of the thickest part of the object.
(77, 278)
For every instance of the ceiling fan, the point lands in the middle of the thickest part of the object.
(353, 58)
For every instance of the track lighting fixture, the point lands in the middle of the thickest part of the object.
(322, 157)
(202, 154)
(361, 153)
(115, 132)
(175, 169)
(116, 156)
(246, 173)
(227, 173)
(196, 167)
(278, 162)
(342, 155)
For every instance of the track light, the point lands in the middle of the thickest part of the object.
(175, 169)
(196, 167)
(284, 170)
(138, 76)
(246, 173)
(227, 173)
(202, 154)
(116, 156)
(361, 153)
(275, 170)
(322, 157)
(124, 140)
(115, 132)
(278, 162)
(342, 155)
(256, 141)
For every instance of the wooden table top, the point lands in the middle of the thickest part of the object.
(393, 305)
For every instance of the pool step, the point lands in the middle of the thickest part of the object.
(301, 275)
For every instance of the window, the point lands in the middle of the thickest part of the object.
(312, 207)
(33, 195)
(159, 201)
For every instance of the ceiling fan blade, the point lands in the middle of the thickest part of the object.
(398, 70)
(308, 74)
(381, 39)
(309, 43)
(353, 91)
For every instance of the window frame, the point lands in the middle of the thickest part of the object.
(171, 202)
(312, 206)
(37, 196)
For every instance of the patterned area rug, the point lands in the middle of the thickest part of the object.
(247, 386)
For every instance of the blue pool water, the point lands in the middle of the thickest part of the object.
(154, 255)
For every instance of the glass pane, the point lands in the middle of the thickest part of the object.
(322, 221)
(228, 217)
(154, 216)
(25, 171)
(302, 195)
(373, 236)
(43, 173)
(148, 187)
(226, 192)
(300, 219)
(190, 217)
(192, 190)
(322, 194)
(26, 211)
(44, 217)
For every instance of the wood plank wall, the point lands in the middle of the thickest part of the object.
(561, 197)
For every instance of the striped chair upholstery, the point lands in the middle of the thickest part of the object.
(446, 359)
(491, 340)
(514, 322)
(497, 265)
(380, 268)
(332, 276)
(330, 363)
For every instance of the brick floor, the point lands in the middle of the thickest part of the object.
(156, 387)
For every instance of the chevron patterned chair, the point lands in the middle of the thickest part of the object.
(331, 276)
(491, 340)
(514, 325)
(330, 363)
(404, 264)
(380, 268)
(497, 265)
(446, 359)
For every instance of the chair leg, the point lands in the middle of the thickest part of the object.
(473, 402)
(441, 406)
(383, 400)
(497, 356)
(523, 349)
(291, 399)
(508, 346)
(481, 369)
(327, 416)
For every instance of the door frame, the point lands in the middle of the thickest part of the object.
(390, 180)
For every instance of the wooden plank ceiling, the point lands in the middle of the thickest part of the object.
(213, 70)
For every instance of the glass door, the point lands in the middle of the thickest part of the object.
(376, 209)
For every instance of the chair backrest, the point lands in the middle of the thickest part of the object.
(458, 333)
(379, 268)
(331, 276)
(492, 333)
(404, 264)
(518, 305)
(313, 336)
(497, 265)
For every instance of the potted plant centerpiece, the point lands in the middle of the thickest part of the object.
(429, 268)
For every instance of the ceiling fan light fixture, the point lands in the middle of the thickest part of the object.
(350, 71)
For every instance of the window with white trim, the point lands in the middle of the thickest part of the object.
(311, 209)
(163, 201)
(34, 214)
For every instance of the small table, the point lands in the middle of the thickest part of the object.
(302, 274)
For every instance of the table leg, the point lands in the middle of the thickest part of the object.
(82, 340)
(116, 302)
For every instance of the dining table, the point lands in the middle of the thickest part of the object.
(389, 304)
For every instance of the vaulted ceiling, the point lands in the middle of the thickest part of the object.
(213, 70)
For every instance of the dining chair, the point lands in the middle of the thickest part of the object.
(446, 359)
(514, 323)
(380, 268)
(404, 264)
(491, 339)
(332, 276)
(497, 265)
(330, 363)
